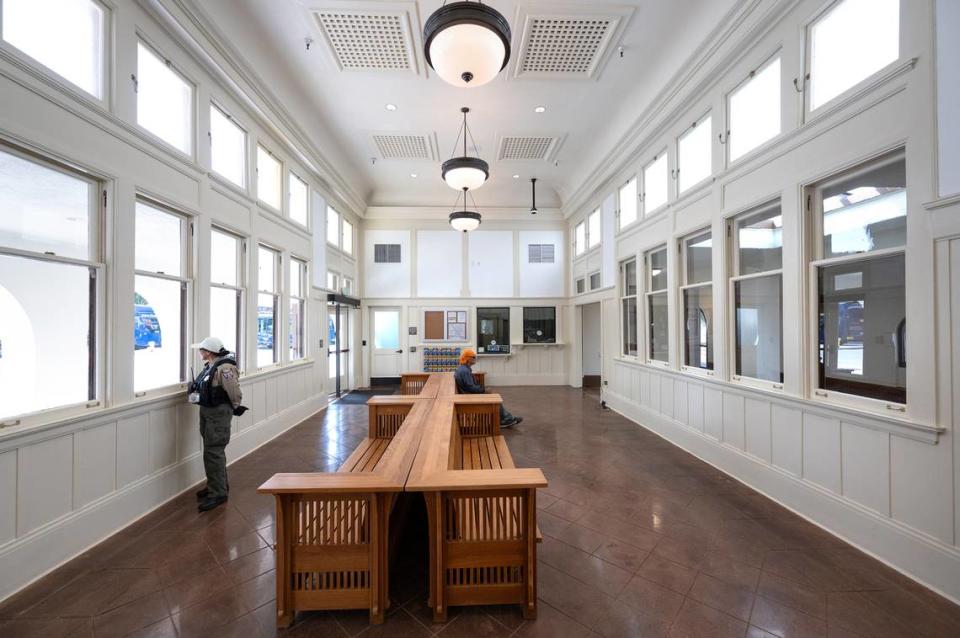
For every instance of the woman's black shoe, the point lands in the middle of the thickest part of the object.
(202, 494)
(211, 502)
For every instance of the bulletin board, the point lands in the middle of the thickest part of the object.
(445, 324)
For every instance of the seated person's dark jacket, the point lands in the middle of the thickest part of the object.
(466, 384)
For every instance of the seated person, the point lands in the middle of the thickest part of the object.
(466, 384)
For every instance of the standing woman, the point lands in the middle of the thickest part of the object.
(217, 390)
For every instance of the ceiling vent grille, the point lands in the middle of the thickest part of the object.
(526, 148)
(402, 146)
(368, 41)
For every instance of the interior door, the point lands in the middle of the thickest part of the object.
(338, 348)
(387, 351)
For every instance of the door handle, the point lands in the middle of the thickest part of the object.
(399, 351)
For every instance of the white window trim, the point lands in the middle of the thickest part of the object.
(648, 292)
(291, 175)
(256, 172)
(241, 291)
(222, 179)
(194, 117)
(639, 216)
(773, 141)
(277, 294)
(692, 187)
(681, 309)
(642, 185)
(623, 296)
(303, 295)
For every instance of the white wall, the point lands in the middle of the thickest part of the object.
(68, 480)
(491, 263)
(439, 263)
(591, 347)
(386, 280)
(541, 280)
(886, 481)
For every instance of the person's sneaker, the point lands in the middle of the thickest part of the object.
(202, 494)
(508, 424)
(517, 420)
(211, 502)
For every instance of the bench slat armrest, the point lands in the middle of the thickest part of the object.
(467, 480)
(319, 482)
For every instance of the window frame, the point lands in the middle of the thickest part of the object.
(245, 187)
(682, 251)
(648, 293)
(302, 296)
(624, 298)
(759, 148)
(96, 263)
(578, 250)
(638, 213)
(505, 337)
(815, 261)
(336, 281)
(733, 249)
(344, 224)
(147, 43)
(277, 294)
(524, 326)
(590, 276)
(187, 286)
(594, 214)
(680, 191)
(240, 289)
(256, 169)
(63, 83)
(291, 176)
(664, 154)
(326, 230)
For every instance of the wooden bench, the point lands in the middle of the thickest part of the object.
(331, 528)
(481, 508)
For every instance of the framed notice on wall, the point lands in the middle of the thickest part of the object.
(445, 324)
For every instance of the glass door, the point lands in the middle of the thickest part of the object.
(338, 348)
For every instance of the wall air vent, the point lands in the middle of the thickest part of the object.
(386, 253)
(540, 253)
(403, 146)
(368, 40)
(538, 147)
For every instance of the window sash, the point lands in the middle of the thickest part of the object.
(653, 334)
(185, 145)
(240, 302)
(735, 150)
(333, 227)
(686, 243)
(346, 242)
(708, 346)
(274, 256)
(686, 149)
(298, 207)
(580, 238)
(269, 192)
(275, 332)
(230, 123)
(734, 334)
(657, 168)
(593, 229)
(628, 199)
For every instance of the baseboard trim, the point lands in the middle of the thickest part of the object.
(919, 557)
(33, 556)
(526, 379)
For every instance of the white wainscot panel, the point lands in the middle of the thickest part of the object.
(757, 425)
(94, 463)
(163, 438)
(44, 482)
(270, 397)
(644, 388)
(713, 412)
(666, 396)
(733, 433)
(866, 467)
(821, 451)
(786, 432)
(633, 381)
(283, 391)
(920, 481)
(653, 397)
(133, 449)
(695, 405)
(8, 496)
(258, 402)
(491, 263)
(189, 440)
(680, 401)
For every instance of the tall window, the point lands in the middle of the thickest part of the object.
(758, 294)
(48, 334)
(628, 306)
(299, 204)
(655, 184)
(298, 309)
(628, 198)
(226, 290)
(697, 292)
(66, 36)
(754, 110)
(658, 326)
(269, 178)
(593, 229)
(268, 306)
(580, 238)
(333, 281)
(333, 227)
(694, 149)
(164, 100)
(860, 219)
(849, 43)
(347, 245)
(228, 148)
(540, 324)
(161, 291)
(493, 330)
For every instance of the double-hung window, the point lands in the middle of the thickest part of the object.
(228, 148)
(269, 178)
(593, 229)
(580, 238)
(298, 309)
(164, 100)
(656, 179)
(850, 42)
(628, 305)
(299, 200)
(66, 36)
(696, 291)
(860, 222)
(628, 198)
(268, 306)
(161, 297)
(753, 110)
(347, 237)
(757, 290)
(226, 290)
(50, 286)
(333, 227)
(694, 151)
(658, 325)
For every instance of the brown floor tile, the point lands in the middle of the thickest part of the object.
(551, 623)
(132, 617)
(730, 599)
(695, 620)
(622, 555)
(47, 628)
(784, 621)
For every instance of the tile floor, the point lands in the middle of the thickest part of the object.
(640, 539)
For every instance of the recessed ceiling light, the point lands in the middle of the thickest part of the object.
(391, 107)
(516, 177)
(413, 175)
(540, 109)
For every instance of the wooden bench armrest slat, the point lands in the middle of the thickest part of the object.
(334, 483)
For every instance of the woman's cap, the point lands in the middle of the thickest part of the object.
(210, 344)
(467, 354)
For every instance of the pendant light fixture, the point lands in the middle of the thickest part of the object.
(533, 187)
(464, 173)
(465, 220)
(466, 43)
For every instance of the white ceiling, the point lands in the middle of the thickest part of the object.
(587, 115)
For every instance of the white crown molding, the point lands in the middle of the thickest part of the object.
(434, 213)
(190, 24)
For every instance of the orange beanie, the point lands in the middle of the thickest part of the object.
(466, 354)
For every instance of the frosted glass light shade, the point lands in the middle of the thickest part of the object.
(465, 173)
(464, 220)
(467, 43)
